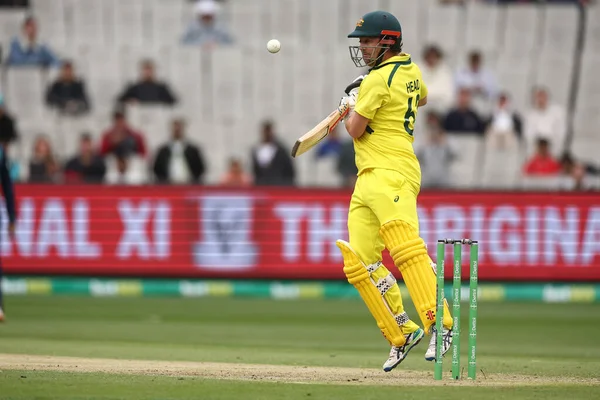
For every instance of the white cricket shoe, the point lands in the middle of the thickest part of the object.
(1, 315)
(398, 354)
(447, 341)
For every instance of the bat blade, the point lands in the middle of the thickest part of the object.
(311, 138)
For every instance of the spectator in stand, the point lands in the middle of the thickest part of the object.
(14, 3)
(235, 175)
(577, 175)
(67, 94)
(542, 163)
(436, 156)
(122, 138)
(568, 162)
(86, 167)
(504, 128)
(43, 167)
(8, 128)
(331, 146)
(205, 30)
(148, 90)
(438, 78)
(463, 118)
(346, 164)
(28, 51)
(270, 160)
(179, 161)
(545, 120)
(479, 80)
(121, 172)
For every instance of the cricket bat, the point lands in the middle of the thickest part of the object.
(311, 138)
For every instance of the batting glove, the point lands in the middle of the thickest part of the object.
(348, 102)
(344, 110)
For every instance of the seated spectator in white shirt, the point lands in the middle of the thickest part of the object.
(438, 78)
(271, 162)
(179, 161)
(478, 79)
(205, 30)
(28, 51)
(504, 128)
(67, 94)
(124, 168)
(547, 121)
(148, 90)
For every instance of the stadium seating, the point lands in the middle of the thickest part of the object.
(10, 23)
(224, 94)
(482, 30)
(592, 32)
(464, 172)
(500, 168)
(586, 122)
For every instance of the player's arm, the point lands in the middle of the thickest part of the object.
(356, 124)
(373, 94)
(423, 101)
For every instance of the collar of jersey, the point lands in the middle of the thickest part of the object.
(402, 59)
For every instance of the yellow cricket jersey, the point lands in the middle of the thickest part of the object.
(388, 97)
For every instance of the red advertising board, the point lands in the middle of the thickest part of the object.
(284, 234)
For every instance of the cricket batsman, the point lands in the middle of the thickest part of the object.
(381, 111)
(9, 198)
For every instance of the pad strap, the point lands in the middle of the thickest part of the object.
(402, 319)
(386, 284)
(374, 267)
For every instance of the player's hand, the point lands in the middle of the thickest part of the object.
(346, 106)
(350, 100)
(344, 109)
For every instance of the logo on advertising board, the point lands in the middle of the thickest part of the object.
(225, 231)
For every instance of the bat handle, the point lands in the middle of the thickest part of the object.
(344, 110)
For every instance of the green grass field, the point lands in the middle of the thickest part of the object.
(200, 348)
